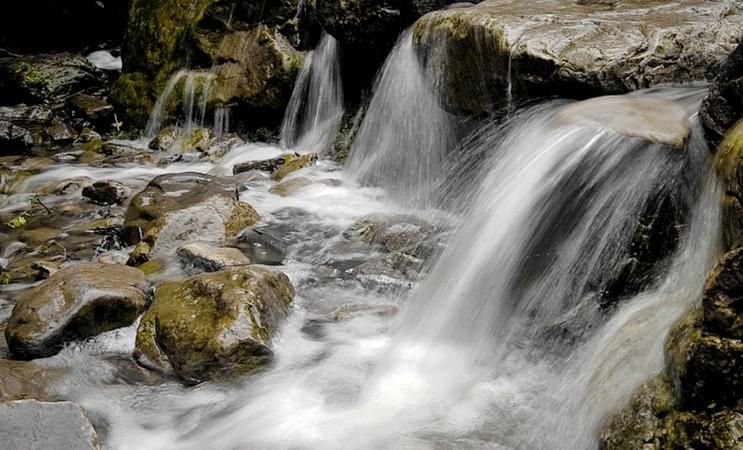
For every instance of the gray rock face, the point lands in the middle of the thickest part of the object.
(13, 138)
(108, 192)
(77, 302)
(547, 47)
(35, 425)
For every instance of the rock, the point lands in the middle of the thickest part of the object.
(88, 135)
(253, 63)
(46, 78)
(211, 259)
(77, 302)
(653, 422)
(176, 209)
(107, 192)
(389, 270)
(13, 139)
(292, 165)
(93, 108)
(723, 105)
(199, 139)
(220, 146)
(113, 257)
(215, 325)
(32, 117)
(545, 48)
(362, 25)
(393, 233)
(24, 379)
(61, 133)
(261, 247)
(348, 311)
(165, 139)
(266, 165)
(36, 425)
(649, 118)
(722, 300)
(729, 166)
(288, 187)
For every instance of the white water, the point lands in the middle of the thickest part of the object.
(405, 137)
(194, 92)
(314, 113)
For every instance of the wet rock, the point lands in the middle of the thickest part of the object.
(107, 192)
(25, 379)
(653, 421)
(13, 139)
(176, 209)
(253, 64)
(77, 302)
(349, 311)
(544, 48)
(215, 325)
(31, 117)
(46, 78)
(389, 270)
(165, 139)
(211, 259)
(288, 187)
(36, 425)
(266, 165)
(61, 133)
(648, 118)
(723, 105)
(220, 146)
(113, 257)
(393, 233)
(93, 108)
(261, 247)
(723, 297)
(199, 139)
(292, 165)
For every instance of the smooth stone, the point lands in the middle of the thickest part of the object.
(652, 119)
(211, 259)
(289, 187)
(261, 247)
(37, 425)
(107, 192)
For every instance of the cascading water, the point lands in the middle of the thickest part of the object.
(503, 345)
(405, 137)
(194, 98)
(315, 111)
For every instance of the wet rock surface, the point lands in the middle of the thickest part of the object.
(211, 259)
(214, 325)
(572, 49)
(723, 105)
(176, 209)
(77, 302)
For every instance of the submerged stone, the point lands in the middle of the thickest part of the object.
(214, 326)
(211, 259)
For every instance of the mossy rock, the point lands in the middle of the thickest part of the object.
(293, 164)
(216, 325)
(729, 165)
(134, 97)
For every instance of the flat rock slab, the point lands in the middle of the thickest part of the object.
(562, 47)
(35, 425)
(648, 118)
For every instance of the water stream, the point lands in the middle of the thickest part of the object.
(505, 341)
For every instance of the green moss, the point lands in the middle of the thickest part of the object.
(133, 95)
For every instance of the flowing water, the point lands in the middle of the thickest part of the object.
(314, 113)
(505, 341)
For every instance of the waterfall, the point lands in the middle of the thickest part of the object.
(315, 110)
(194, 93)
(403, 142)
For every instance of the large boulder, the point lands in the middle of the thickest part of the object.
(572, 49)
(177, 209)
(77, 302)
(242, 47)
(723, 105)
(214, 325)
(36, 425)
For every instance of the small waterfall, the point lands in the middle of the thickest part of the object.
(221, 120)
(196, 86)
(405, 136)
(314, 113)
